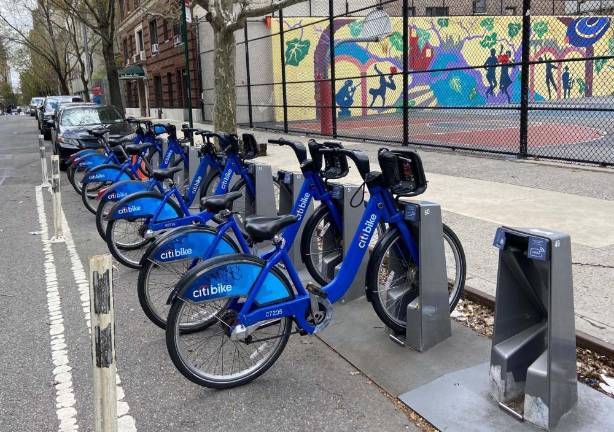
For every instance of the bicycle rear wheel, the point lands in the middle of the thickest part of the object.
(392, 277)
(126, 242)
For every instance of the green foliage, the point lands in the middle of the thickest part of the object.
(423, 37)
(396, 40)
(296, 51)
(581, 86)
(488, 24)
(456, 85)
(600, 64)
(443, 22)
(513, 29)
(611, 47)
(355, 28)
(489, 41)
(540, 28)
(473, 93)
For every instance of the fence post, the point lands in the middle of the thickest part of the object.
(333, 86)
(102, 317)
(524, 78)
(248, 76)
(41, 150)
(283, 69)
(58, 232)
(405, 73)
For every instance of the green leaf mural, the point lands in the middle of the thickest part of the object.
(456, 85)
(443, 22)
(423, 37)
(540, 29)
(488, 24)
(355, 28)
(581, 86)
(396, 40)
(489, 41)
(600, 64)
(513, 29)
(296, 51)
(611, 47)
(473, 93)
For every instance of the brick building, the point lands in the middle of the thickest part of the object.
(152, 53)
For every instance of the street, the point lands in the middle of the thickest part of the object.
(46, 383)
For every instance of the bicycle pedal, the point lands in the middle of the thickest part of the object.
(316, 290)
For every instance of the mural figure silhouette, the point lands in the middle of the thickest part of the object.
(505, 81)
(491, 72)
(550, 83)
(345, 98)
(384, 85)
(567, 83)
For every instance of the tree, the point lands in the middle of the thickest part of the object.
(78, 52)
(226, 17)
(43, 37)
(99, 16)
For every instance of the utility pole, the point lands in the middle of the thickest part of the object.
(186, 53)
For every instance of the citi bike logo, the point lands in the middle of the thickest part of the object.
(129, 209)
(168, 157)
(96, 176)
(302, 206)
(176, 253)
(366, 232)
(209, 290)
(196, 184)
(116, 195)
(226, 179)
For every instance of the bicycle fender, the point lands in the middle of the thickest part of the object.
(145, 204)
(89, 161)
(106, 173)
(193, 242)
(80, 154)
(232, 276)
(122, 189)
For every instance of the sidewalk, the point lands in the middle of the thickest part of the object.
(478, 194)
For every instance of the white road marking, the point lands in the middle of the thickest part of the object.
(125, 421)
(64, 394)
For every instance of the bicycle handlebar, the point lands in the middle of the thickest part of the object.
(298, 147)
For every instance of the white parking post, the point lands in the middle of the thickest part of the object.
(58, 232)
(41, 149)
(102, 317)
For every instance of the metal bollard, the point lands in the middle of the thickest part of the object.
(428, 315)
(58, 232)
(41, 149)
(103, 345)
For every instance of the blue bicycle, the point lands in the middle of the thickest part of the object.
(174, 253)
(135, 220)
(262, 299)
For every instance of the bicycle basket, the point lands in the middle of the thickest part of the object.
(250, 146)
(402, 172)
(335, 164)
(229, 143)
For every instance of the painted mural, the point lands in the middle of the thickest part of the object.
(368, 83)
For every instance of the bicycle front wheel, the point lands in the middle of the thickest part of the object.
(126, 242)
(210, 357)
(392, 277)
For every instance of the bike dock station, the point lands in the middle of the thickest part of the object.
(450, 384)
(290, 184)
(428, 315)
(264, 204)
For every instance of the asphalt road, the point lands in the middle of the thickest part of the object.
(310, 387)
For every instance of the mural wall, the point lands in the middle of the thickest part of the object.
(367, 84)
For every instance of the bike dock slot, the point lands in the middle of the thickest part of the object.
(534, 347)
(264, 203)
(428, 315)
(290, 184)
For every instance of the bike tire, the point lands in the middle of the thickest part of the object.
(379, 255)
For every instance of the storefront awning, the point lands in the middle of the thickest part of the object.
(132, 72)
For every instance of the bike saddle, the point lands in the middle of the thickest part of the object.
(217, 203)
(136, 149)
(262, 228)
(97, 132)
(165, 173)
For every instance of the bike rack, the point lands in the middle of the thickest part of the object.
(264, 204)
(290, 186)
(428, 315)
(533, 345)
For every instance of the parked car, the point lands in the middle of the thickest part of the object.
(35, 103)
(46, 114)
(69, 133)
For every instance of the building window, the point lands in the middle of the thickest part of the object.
(437, 11)
(177, 33)
(179, 75)
(510, 10)
(479, 7)
(126, 51)
(411, 11)
(158, 90)
(169, 84)
(165, 35)
(153, 32)
(139, 41)
(132, 45)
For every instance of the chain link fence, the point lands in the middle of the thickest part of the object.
(475, 75)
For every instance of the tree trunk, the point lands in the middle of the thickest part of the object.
(112, 75)
(225, 109)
